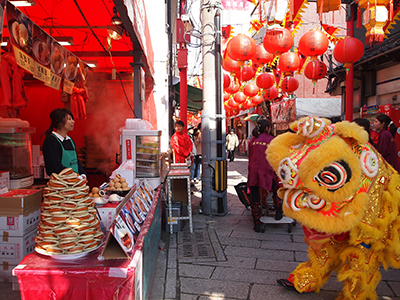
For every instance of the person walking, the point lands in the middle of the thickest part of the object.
(232, 142)
(181, 143)
(386, 145)
(197, 157)
(260, 173)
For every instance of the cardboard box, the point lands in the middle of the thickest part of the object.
(107, 214)
(6, 272)
(20, 202)
(19, 226)
(14, 249)
(4, 179)
(35, 155)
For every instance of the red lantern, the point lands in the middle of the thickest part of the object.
(230, 65)
(257, 99)
(227, 106)
(262, 56)
(251, 89)
(247, 104)
(265, 80)
(289, 62)
(348, 50)
(233, 88)
(233, 104)
(289, 84)
(315, 70)
(241, 47)
(271, 93)
(226, 96)
(313, 43)
(227, 81)
(278, 40)
(246, 73)
(239, 97)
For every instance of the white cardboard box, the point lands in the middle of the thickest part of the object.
(35, 155)
(38, 172)
(19, 226)
(14, 249)
(4, 179)
(6, 272)
(107, 214)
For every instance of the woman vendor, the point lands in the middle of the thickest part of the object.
(58, 148)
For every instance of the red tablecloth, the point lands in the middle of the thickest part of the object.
(41, 277)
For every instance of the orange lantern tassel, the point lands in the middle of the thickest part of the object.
(333, 17)
(368, 12)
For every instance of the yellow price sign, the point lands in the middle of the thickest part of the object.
(42, 73)
(24, 60)
(55, 81)
(68, 86)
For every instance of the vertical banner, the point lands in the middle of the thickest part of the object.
(39, 54)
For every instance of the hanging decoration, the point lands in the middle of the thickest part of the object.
(230, 65)
(239, 97)
(233, 87)
(257, 99)
(233, 104)
(374, 18)
(289, 85)
(227, 96)
(315, 70)
(262, 56)
(251, 89)
(324, 6)
(348, 50)
(265, 80)
(288, 63)
(278, 40)
(313, 43)
(241, 48)
(227, 81)
(271, 93)
(246, 73)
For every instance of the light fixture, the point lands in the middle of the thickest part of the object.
(64, 40)
(116, 20)
(115, 32)
(23, 2)
(91, 63)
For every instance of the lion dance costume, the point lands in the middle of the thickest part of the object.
(346, 196)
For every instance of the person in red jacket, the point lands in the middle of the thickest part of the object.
(181, 143)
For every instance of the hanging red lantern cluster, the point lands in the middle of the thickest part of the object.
(233, 87)
(251, 89)
(262, 56)
(270, 94)
(230, 65)
(227, 81)
(245, 74)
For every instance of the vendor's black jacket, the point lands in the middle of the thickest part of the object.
(52, 153)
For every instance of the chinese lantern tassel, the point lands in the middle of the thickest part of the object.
(291, 10)
(313, 90)
(276, 6)
(368, 12)
(333, 17)
(321, 9)
(358, 17)
(375, 9)
(391, 11)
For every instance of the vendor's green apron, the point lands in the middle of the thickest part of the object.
(69, 158)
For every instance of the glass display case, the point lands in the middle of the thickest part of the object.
(16, 155)
(143, 148)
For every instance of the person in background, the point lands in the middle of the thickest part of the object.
(181, 143)
(191, 131)
(367, 127)
(260, 173)
(197, 158)
(58, 148)
(385, 144)
(232, 142)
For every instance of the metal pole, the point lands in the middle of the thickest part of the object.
(137, 63)
(350, 73)
(213, 135)
(170, 62)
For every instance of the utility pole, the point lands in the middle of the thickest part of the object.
(213, 126)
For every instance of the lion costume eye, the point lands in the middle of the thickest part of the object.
(334, 176)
